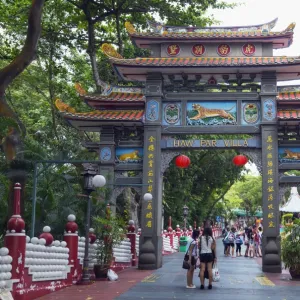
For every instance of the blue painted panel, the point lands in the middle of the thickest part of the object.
(207, 113)
(129, 155)
(269, 110)
(171, 114)
(152, 110)
(250, 113)
(289, 154)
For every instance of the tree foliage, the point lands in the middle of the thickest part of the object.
(68, 52)
(201, 187)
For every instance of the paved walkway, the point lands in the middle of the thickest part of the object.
(240, 278)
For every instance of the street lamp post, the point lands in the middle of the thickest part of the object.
(185, 214)
(91, 180)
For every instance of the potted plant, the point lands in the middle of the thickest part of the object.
(110, 231)
(290, 249)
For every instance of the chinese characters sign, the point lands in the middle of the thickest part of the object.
(198, 50)
(150, 160)
(271, 182)
(173, 50)
(248, 49)
(223, 49)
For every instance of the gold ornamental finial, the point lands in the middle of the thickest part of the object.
(80, 90)
(63, 107)
(291, 27)
(130, 28)
(109, 50)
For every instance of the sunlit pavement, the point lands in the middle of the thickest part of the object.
(241, 278)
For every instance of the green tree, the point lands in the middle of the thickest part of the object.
(246, 194)
(202, 186)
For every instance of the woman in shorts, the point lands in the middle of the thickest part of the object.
(193, 255)
(207, 245)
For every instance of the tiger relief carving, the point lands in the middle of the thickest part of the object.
(211, 112)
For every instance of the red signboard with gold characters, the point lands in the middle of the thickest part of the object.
(248, 49)
(198, 50)
(223, 49)
(173, 50)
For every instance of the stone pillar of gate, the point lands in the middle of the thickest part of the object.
(107, 161)
(151, 241)
(271, 261)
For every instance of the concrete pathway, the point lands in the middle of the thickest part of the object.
(241, 278)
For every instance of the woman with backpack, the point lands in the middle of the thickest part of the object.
(193, 255)
(230, 239)
(207, 249)
(238, 243)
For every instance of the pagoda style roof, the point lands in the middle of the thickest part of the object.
(163, 33)
(288, 114)
(132, 96)
(136, 69)
(98, 117)
(288, 93)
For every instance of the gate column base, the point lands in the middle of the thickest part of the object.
(150, 257)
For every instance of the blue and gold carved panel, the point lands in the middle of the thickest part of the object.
(269, 110)
(207, 113)
(129, 155)
(171, 114)
(289, 154)
(250, 113)
(105, 154)
(152, 110)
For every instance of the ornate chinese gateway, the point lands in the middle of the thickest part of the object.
(214, 80)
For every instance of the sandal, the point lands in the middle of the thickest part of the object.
(191, 287)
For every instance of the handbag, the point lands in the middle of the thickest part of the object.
(185, 263)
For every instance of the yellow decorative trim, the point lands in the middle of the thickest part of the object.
(63, 107)
(130, 28)
(290, 28)
(109, 50)
(80, 90)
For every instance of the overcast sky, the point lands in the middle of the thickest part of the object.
(255, 12)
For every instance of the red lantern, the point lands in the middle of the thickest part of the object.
(240, 160)
(182, 161)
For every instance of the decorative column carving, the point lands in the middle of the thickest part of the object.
(150, 256)
(107, 154)
(271, 261)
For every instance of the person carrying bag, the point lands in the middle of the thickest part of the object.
(190, 259)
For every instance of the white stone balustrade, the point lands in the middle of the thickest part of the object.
(167, 244)
(5, 268)
(122, 252)
(81, 249)
(46, 262)
(137, 244)
(175, 243)
(92, 255)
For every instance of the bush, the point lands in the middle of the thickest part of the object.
(290, 247)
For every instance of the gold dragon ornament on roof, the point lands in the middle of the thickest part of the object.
(130, 28)
(63, 107)
(80, 90)
(109, 50)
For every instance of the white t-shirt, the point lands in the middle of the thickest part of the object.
(195, 249)
(206, 247)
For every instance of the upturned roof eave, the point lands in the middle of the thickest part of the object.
(144, 41)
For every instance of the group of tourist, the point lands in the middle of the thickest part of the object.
(201, 248)
(234, 238)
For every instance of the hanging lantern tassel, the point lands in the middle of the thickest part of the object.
(182, 161)
(240, 160)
